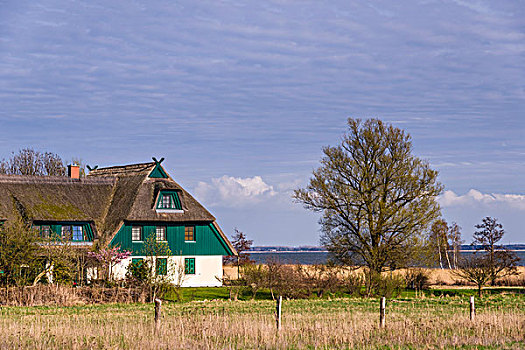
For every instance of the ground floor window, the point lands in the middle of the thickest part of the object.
(189, 266)
(162, 266)
(136, 261)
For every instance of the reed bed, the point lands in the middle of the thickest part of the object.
(307, 324)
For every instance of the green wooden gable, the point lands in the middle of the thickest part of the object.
(207, 241)
(158, 172)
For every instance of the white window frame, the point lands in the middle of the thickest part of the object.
(133, 227)
(163, 237)
(63, 232)
(81, 229)
(193, 230)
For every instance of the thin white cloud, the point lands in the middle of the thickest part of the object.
(234, 191)
(477, 198)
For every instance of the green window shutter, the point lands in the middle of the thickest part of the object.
(189, 266)
(88, 233)
(162, 266)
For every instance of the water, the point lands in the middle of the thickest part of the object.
(312, 258)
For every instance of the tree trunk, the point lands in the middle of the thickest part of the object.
(440, 257)
(448, 260)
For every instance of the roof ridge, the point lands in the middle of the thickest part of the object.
(124, 166)
(123, 170)
(54, 179)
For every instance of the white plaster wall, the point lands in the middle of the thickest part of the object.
(208, 270)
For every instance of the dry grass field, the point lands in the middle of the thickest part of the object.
(438, 277)
(350, 323)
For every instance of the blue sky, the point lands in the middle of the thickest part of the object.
(240, 97)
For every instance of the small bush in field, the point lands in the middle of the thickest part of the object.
(352, 284)
(514, 281)
(255, 277)
(63, 273)
(137, 272)
(385, 286)
(417, 278)
(290, 283)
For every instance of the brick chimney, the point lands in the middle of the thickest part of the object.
(73, 171)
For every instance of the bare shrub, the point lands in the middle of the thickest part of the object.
(417, 278)
(321, 279)
(67, 296)
(383, 285)
(352, 284)
(511, 281)
(255, 277)
(290, 283)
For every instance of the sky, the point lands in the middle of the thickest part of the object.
(240, 97)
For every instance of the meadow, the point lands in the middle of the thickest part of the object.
(432, 321)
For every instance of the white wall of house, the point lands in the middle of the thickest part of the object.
(208, 270)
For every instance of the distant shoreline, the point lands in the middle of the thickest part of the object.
(326, 251)
(286, 251)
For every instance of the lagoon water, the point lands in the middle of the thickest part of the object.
(312, 258)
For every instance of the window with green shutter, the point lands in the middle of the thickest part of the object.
(136, 261)
(189, 266)
(162, 266)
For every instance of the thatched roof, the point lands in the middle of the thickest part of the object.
(54, 198)
(106, 197)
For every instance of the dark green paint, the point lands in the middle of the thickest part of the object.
(189, 266)
(158, 173)
(135, 261)
(208, 240)
(162, 266)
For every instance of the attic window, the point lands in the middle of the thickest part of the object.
(168, 200)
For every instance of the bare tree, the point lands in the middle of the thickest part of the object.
(454, 242)
(475, 269)
(19, 253)
(501, 261)
(438, 240)
(155, 250)
(242, 245)
(30, 162)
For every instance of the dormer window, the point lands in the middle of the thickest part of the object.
(168, 201)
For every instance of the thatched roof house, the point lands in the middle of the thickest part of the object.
(106, 205)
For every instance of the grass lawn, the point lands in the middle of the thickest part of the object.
(346, 323)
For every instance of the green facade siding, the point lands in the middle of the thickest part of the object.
(207, 239)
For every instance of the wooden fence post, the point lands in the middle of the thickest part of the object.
(158, 304)
(382, 306)
(472, 308)
(278, 312)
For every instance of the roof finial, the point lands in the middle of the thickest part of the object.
(90, 168)
(157, 161)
